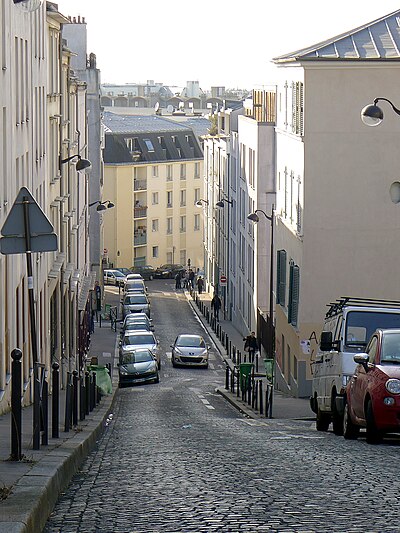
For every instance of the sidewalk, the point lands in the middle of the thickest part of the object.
(32, 486)
(284, 407)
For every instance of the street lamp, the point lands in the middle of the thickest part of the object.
(255, 218)
(221, 202)
(81, 165)
(200, 202)
(372, 114)
(102, 206)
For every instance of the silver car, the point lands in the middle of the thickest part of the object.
(132, 340)
(190, 350)
(135, 303)
(135, 284)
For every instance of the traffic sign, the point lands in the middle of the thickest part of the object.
(222, 280)
(26, 213)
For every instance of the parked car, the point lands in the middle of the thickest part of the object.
(135, 325)
(147, 271)
(138, 284)
(373, 392)
(135, 303)
(133, 275)
(132, 340)
(125, 271)
(190, 350)
(138, 366)
(168, 270)
(113, 277)
(137, 317)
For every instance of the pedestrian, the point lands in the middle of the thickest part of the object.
(251, 345)
(200, 284)
(178, 280)
(216, 305)
(191, 279)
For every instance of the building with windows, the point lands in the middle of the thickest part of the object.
(154, 176)
(337, 230)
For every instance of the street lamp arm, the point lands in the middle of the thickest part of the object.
(269, 217)
(389, 102)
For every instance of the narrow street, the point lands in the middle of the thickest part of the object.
(177, 458)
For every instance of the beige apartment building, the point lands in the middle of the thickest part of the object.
(337, 231)
(154, 177)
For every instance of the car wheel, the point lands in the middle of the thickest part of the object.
(350, 430)
(157, 380)
(151, 277)
(373, 435)
(337, 420)
(159, 365)
(323, 421)
(173, 363)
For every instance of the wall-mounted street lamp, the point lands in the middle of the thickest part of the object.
(372, 114)
(201, 202)
(220, 203)
(102, 206)
(81, 165)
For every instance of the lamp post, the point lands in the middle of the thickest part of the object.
(372, 114)
(255, 218)
(102, 206)
(81, 165)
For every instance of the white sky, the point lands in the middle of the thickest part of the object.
(217, 42)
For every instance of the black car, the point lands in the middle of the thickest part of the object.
(168, 271)
(146, 271)
(138, 366)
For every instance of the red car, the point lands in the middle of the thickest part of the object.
(373, 392)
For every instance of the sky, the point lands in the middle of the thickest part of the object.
(216, 42)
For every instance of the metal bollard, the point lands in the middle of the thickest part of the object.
(227, 377)
(87, 392)
(16, 408)
(36, 407)
(261, 397)
(75, 398)
(45, 413)
(55, 399)
(68, 395)
(82, 397)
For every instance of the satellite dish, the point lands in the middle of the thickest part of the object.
(29, 5)
(170, 108)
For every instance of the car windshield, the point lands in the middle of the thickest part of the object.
(391, 349)
(137, 325)
(137, 317)
(138, 339)
(135, 299)
(191, 341)
(360, 325)
(138, 356)
(118, 274)
(134, 284)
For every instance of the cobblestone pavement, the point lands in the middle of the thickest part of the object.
(177, 458)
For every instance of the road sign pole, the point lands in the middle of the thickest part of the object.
(30, 279)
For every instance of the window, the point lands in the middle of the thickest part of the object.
(154, 224)
(169, 198)
(155, 251)
(197, 170)
(196, 222)
(182, 257)
(169, 172)
(297, 108)
(183, 171)
(182, 224)
(183, 197)
(299, 211)
(170, 258)
(154, 171)
(149, 145)
(196, 195)
(154, 198)
(133, 144)
(281, 278)
(169, 226)
(294, 289)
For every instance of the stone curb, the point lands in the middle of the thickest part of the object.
(35, 495)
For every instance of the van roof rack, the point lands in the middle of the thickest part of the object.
(336, 307)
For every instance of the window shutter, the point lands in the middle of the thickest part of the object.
(281, 277)
(294, 289)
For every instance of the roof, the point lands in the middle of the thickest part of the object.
(376, 40)
(116, 123)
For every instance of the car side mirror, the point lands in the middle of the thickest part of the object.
(208, 347)
(326, 344)
(362, 359)
(152, 327)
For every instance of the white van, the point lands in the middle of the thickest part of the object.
(349, 324)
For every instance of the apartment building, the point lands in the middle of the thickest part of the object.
(42, 136)
(154, 177)
(337, 230)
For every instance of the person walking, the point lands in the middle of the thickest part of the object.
(191, 279)
(216, 305)
(178, 281)
(251, 345)
(200, 284)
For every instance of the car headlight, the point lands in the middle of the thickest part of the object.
(177, 350)
(123, 371)
(393, 386)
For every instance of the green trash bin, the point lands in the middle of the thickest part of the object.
(245, 370)
(103, 379)
(269, 369)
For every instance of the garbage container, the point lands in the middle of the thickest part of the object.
(269, 369)
(103, 379)
(245, 371)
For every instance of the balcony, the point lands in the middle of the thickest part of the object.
(140, 212)
(139, 185)
(139, 238)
